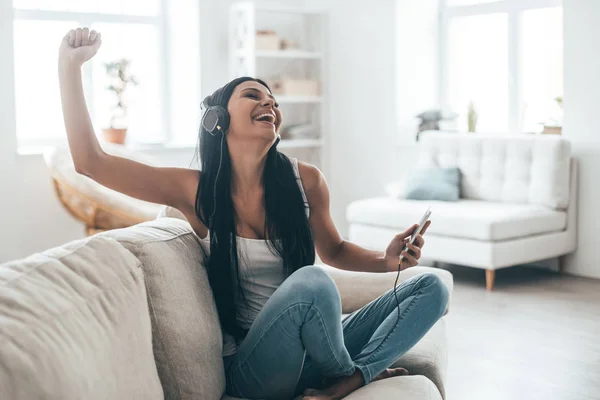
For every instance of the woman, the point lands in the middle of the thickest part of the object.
(281, 316)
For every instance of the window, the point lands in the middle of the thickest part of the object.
(541, 67)
(163, 107)
(479, 76)
(503, 59)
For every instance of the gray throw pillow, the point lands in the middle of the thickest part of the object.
(434, 184)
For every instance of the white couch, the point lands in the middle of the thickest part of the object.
(517, 204)
(129, 314)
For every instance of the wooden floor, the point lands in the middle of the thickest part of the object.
(536, 336)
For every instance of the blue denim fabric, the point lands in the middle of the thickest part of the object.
(298, 338)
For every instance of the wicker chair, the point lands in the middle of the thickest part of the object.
(98, 207)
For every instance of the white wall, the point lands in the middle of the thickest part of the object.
(362, 125)
(362, 102)
(416, 57)
(581, 127)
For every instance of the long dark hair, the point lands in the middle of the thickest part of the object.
(286, 224)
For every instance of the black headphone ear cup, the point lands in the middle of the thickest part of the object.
(215, 120)
(225, 119)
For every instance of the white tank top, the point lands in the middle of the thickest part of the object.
(261, 273)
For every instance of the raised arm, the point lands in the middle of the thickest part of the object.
(175, 187)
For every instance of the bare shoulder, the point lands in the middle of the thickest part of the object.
(313, 180)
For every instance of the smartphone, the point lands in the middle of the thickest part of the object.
(422, 223)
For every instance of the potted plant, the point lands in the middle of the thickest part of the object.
(554, 124)
(472, 117)
(120, 78)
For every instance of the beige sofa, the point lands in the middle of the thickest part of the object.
(129, 314)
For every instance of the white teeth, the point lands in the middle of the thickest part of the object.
(271, 117)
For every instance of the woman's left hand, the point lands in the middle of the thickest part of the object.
(399, 246)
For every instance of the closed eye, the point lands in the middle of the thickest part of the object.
(253, 94)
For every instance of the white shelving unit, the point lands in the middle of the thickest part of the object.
(299, 54)
(300, 143)
(282, 99)
(305, 27)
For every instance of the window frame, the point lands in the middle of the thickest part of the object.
(514, 10)
(87, 19)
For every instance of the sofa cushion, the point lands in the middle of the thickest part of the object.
(74, 324)
(471, 219)
(415, 387)
(509, 169)
(185, 325)
(434, 184)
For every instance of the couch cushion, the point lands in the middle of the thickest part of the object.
(508, 168)
(471, 219)
(434, 184)
(414, 387)
(74, 324)
(185, 325)
(402, 387)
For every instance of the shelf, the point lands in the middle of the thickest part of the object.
(283, 99)
(288, 10)
(299, 54)
(298, 143)
(304, 58)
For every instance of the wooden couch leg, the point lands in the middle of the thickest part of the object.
(490, 274)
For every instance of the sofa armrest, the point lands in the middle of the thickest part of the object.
(359, 288)
(181, 305)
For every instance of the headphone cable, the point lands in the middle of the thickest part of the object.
(210, 219)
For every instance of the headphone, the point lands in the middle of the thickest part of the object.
(215, 118)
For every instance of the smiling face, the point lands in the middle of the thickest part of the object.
(254, 112)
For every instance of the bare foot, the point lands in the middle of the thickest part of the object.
(314, 394)
(342, 387)
(390, 372)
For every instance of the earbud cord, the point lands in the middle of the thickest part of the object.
(213, 234)
(397, 308)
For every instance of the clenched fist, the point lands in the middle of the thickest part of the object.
(78, 46)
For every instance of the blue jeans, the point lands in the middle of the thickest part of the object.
(299, 338)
